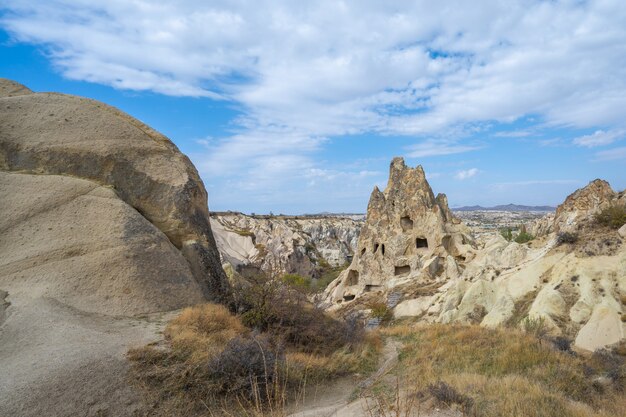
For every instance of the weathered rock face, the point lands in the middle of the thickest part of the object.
(104, 227)
(280, 245)
(75, 241)
(409, 235)
(581, 205)
(56, 134)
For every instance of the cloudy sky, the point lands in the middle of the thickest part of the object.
(291, 107)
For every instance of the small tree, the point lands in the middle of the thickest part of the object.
(507, 233)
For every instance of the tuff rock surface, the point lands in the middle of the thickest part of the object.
(409, 236)
(279, 244)
(104, 229)
(57, 134)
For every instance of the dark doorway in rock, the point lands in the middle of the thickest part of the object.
(402, 270)
(353, 277)
(421, 242)
(371, 287)
(376, 245)
(406, 223)
(362, 251)
(382, 249)
(348, 297)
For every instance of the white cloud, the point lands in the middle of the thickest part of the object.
(329, 67)
(436, 148)
(303, 72)
(599, 138)
(468, 173)
(611, 154)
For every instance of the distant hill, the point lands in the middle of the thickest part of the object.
(506, 207)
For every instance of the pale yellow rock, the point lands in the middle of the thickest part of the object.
(603, 328)
(622, 231)
(412, 308)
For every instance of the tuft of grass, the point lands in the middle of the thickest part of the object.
(202, 331)
(535, 326)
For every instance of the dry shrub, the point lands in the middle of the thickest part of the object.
(448, 395)
(314, 368)
(613, 216)
(251, 367)
(211, 363)
(276, 308)
(380, 310)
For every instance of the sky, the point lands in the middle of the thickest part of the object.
(299, 107)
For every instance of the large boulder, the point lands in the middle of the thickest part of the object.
(57, 134)
(75, 241)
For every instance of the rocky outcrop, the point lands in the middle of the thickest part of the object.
(56, 134)
(409, 236)
(285, 244)
(104, 228)
(414, 256)
(580, 206)
(576, 288)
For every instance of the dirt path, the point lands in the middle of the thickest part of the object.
(333, 400)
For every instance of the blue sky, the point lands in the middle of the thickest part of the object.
(296, 108)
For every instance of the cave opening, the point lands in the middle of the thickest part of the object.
(406, 223)
(421, 242)
(402, 270)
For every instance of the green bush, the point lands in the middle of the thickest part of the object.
(381, 311)
(524, 237)
(535, 326)
(297, 281)
(507, 233)
(613, 216)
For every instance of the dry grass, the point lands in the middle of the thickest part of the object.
(211, 364)
(507, 372)
(359, 359)
(201, 332)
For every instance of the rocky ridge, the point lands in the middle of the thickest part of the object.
(285, 244)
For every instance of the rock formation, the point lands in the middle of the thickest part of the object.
(577, 289)
(414, 256)
(409, 236)
(57, 134)
(285, 244)
(579, 207)
(104, 227)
